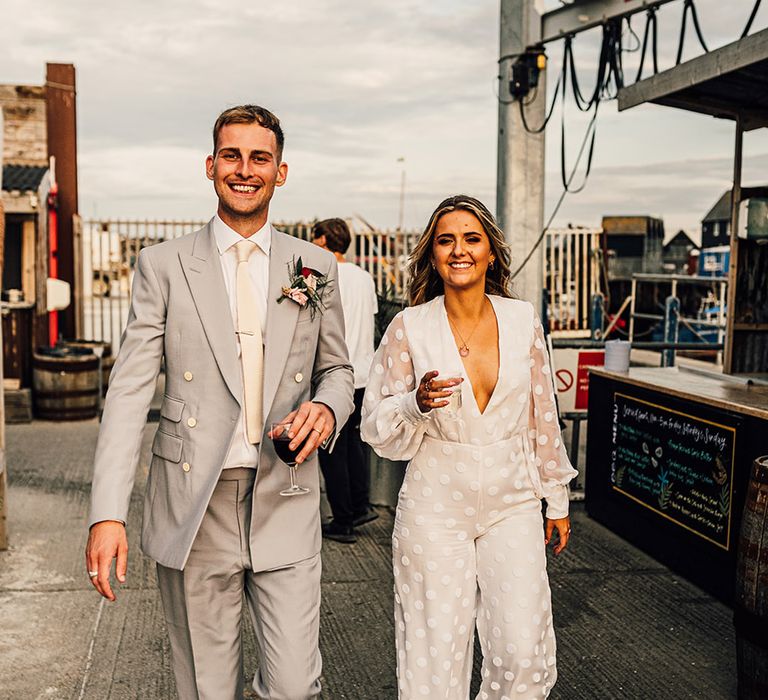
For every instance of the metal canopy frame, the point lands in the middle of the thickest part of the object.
(730, 82)
(581, 15)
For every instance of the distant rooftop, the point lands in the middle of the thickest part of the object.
(722, 210)
(681, 237)
(22, 178)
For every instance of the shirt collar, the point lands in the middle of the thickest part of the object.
(226, 236)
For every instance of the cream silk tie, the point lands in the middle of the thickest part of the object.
(251, 347)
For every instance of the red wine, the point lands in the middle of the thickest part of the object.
(286, 453)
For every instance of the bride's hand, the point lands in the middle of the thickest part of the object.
(563, 526)
(433, 393)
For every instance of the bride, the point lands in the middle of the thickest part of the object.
(461, 387)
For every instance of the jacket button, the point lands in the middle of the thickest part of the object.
(188, 376)
(186, 466)
(299, 377)
(191, 422)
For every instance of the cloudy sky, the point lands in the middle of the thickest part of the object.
(357, 86)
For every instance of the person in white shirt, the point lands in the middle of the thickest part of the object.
(346, 470)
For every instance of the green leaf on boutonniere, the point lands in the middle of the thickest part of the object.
(307, 287)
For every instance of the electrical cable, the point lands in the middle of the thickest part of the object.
(696, 26)
(534, 93)
(751, 19)
(560, 200)
(688, 6)
(591, 128)
(632, 33)
(609, 80)
(609, 69)
(538, 130)
(650, 26)
(583, 104)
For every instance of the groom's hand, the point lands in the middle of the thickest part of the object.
(106, 541)
(313, 422)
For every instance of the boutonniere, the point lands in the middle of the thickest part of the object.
(307, 287)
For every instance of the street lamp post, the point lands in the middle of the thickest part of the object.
(402, 195)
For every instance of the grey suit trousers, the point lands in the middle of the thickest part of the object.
(203, 608)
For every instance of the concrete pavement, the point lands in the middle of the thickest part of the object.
(627, 627)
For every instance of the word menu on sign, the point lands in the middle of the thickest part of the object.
(677, 465)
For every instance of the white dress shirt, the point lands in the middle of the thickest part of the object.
(241, 452)
(360, 305)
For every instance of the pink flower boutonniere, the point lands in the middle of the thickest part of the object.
(307, 287)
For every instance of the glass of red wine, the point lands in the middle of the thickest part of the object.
(281, 442)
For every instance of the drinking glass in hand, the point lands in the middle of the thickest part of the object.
(451, 411)
(281, 442)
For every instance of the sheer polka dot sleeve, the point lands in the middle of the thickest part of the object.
(392, 423)
(552, 462)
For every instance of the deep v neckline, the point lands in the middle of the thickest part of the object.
(457, 356)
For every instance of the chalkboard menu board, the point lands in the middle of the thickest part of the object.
(676, 464)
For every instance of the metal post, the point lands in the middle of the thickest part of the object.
(721, 320)
(402, 195)
(671, 314)
(3, 470)
(632, 310)
(596, 317)
(733, 266)
(520, 168)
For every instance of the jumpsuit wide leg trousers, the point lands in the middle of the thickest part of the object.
(468, 550)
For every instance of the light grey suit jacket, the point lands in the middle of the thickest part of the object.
(180, 312)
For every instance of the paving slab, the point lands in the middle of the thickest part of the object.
(627, 627)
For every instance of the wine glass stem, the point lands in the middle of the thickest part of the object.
(292, 472)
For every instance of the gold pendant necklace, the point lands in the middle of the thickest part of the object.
(464, 347)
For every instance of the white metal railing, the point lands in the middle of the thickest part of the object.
(110, 249)
(572, 278)
(716, 298)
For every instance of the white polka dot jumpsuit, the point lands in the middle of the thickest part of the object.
(468, 543)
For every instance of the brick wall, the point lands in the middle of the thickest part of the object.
(24, 138)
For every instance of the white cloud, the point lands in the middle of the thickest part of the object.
(357, 85)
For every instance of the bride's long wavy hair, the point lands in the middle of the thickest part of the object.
(425, 283)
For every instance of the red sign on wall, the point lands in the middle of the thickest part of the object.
(572, 376)
(587, 359)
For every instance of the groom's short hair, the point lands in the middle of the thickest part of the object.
(336, 232)
(250, 114)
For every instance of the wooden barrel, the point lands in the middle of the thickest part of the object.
(107, 359)
(751, 595)
(65, 385)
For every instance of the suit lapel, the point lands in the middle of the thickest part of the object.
(281, 318)
(202, 270)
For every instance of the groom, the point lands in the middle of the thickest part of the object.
(236, 361)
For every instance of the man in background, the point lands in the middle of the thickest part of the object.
(346, 469)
